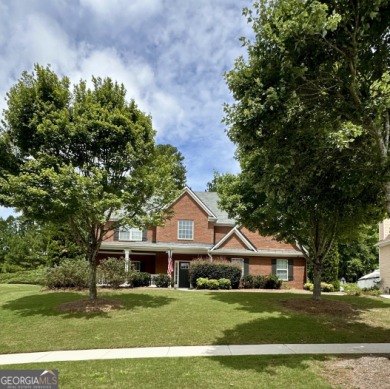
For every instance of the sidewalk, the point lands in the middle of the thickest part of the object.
(195, 351)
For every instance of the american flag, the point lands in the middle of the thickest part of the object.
(170, 263)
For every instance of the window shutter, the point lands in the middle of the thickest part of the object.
(144, 235)
(290, 269)
(116, 234)
(274, 266)
(246, 267)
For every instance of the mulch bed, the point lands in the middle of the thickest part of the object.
(90, 306)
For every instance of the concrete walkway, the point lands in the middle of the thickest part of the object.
(195, 351)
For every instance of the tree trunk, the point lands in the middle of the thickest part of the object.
(92, 278)
(317, 279)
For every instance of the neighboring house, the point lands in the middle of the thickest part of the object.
(369, 281)
(200, 229)
(384, 254)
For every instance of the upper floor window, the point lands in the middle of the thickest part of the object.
(282, 269)
(128, 233)
(185, 229)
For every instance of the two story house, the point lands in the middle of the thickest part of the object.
(384, 254)
(200, 229)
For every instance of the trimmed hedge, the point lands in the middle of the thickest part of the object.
(203, 268)
(137, 279)
(162, 280)
(33, 277)
(205, 283)
(261, 282)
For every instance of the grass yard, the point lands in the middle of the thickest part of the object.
(212, 372)
(30, 320)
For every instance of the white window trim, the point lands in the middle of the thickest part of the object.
(136, 266)
(131, 232)
(192, 229)
(284, 269)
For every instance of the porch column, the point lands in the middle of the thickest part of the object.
(127, 260)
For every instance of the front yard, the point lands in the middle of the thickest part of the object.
(30, 320)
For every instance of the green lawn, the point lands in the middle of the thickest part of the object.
(30, 321)
(298, 372)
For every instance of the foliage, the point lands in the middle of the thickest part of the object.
(203, 268)
(272, 282)
(138, 279)
(205, 283)
(310, 169)
(34, 277)
(224, 283)
(325, 287)
(70, 274)
(211, 186)
(83, 155)
(111, 271)
(247, 281)
(330, 266)
(359, 256)
(258, 282)
(162, 280)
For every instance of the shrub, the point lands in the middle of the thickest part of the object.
(352, 289)
(224, 283)
(213, 284)
(325, 287)
(34, 277)
(112, 272)
(201, 268)
(70, 274)
(259, 282)
(308, 286)
(272, 282)
(247, 281)
(137, 279)
(162, 280)
(201, 283)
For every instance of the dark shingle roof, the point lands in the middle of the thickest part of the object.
(210, 200)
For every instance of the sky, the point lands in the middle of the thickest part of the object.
(171, 56)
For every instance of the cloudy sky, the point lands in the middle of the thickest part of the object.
(170, 55)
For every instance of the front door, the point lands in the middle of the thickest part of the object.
(184, 274)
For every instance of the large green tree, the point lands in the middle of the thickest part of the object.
(310, 121)
(84, 154)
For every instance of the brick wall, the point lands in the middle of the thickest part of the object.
(220, 232)
(186, 208)
(265, 242)
(233, 242)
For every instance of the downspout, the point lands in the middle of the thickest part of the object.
(210, 256)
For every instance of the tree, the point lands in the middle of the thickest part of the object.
(311, 122)
(177, 160)
(85, 155)
(211, 186)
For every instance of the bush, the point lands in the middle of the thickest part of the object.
(138, 279)
(272, 282)
(201, 283)
(325, 287)
(308, 286)
(70, 274)
(247, 281)
(162, 280)
(112, 272)
(34, 277)
(212, 284)
(259, 282)
(224, 283)
(203, 268)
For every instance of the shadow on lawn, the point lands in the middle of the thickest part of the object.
(46, 304)
(274, 323)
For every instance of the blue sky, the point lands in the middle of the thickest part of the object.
(169, 54)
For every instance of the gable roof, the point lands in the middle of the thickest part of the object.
(210, 200)
(240, 236)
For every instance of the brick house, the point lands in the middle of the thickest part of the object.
(384, 254)
(200, 229)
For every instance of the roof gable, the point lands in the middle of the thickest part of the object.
(238, 234)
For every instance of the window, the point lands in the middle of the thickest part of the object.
(128, 233)
(185, 229)
(136, 266)
(282, 269)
